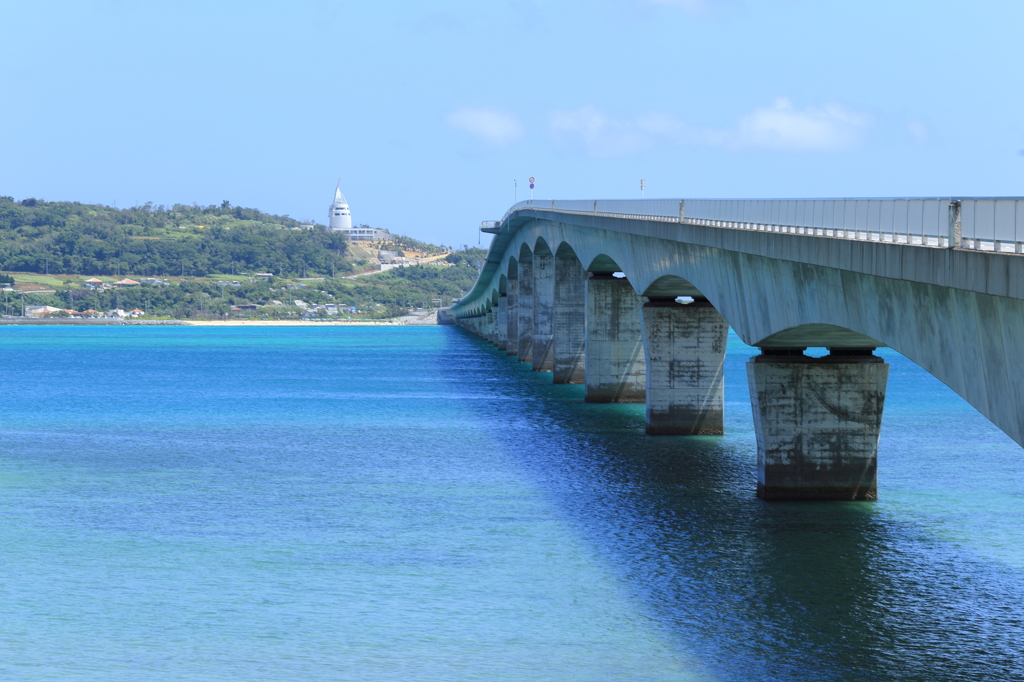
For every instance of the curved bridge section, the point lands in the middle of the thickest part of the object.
(634, 299)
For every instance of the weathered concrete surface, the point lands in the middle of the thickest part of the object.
(543, 304)
(957, 314)
(512, 333)
(502, 322)
(615, 367)
(817, 423)
(684, 346)
(570, 312)
(525, 305)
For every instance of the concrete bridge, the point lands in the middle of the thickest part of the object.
(634, 298)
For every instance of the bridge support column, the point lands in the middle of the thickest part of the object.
(512, 333)
(525, 311)
(491, 333)
(502, 322)
(817, 422)
(684, 346)
(615, 367)
(543, 301)
(570, 320)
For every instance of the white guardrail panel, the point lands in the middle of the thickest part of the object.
(989, 224)
(992, 224)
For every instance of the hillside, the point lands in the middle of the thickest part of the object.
(204, 261)
(89, 239)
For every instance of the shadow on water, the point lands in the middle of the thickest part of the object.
(794, 591)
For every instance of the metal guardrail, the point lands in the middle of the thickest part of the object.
(984, 224)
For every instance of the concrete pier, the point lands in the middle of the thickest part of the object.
(543, 302)
(817, 422)
(569, 326)
(512, 334)
(502, 322)
(684, 347)
(525, 331)
(615, 366)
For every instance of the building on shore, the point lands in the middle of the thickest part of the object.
(340, 219)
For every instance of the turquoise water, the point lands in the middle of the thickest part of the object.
(406, 503)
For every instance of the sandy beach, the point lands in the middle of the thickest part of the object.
(415, 320)
(409, 320)
(296, 323)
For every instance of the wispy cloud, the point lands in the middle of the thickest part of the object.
(601, 135)
(779, 126)
(782, 126)
(493, 126)
(691, 6)
(918, 131)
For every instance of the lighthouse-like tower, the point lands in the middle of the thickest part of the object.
(340, 216)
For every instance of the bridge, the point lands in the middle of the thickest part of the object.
(634, 299)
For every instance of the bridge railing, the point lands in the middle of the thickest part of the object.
(923, 222)
(667, 210)
(993, 224)
(988, 224)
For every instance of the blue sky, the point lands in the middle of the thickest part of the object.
(427, 111)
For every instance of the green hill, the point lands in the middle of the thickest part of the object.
(89, 239)
(203, 252)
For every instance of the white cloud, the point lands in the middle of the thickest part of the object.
(692, 6)
(493, 126)
(918, 131)
(601, 135)
(779, 127)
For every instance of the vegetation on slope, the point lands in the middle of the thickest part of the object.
(68, 237)
(203, 251)
(384, 294)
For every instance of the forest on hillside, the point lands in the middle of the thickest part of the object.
(69, 237)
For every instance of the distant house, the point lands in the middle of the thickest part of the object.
(137, 313)
(94, 283)
(244, 306)
(126, 283)
(40, 311)
(264, 275)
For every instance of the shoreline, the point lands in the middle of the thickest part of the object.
(429, 321)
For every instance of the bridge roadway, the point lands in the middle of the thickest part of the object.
(587, 290)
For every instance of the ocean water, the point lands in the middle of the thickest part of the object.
(410, 504)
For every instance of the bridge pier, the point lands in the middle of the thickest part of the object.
(817, 422)
(570, 320)
(502, 322)
(614, 366)
(543, 302)
(684, 347)
(512, 332)
(525, 331)
(491, 325)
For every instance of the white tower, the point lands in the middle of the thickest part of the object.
(339, 215)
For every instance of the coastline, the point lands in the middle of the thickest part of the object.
(425, 321)
(399, 322)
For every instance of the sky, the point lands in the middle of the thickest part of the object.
(430, 113)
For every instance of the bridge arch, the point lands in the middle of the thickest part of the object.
(672, 286)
